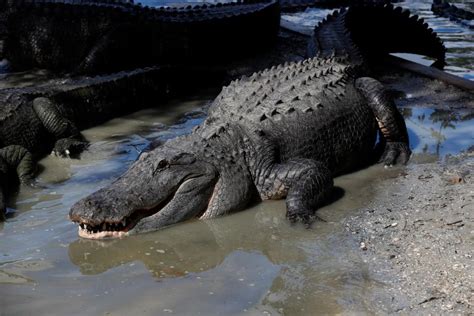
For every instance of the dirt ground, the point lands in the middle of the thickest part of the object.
(417, 238)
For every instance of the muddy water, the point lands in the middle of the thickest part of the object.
(249, 263)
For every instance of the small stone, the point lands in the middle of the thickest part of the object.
(363, 246)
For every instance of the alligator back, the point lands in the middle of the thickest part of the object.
(117, 36)
(307, 109)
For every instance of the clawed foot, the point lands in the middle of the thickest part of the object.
(395, 152)
(32, 184)
(69, 148)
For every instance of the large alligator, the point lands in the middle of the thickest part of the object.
(107, 36)
(282, 132)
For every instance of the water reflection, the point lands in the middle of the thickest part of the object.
(439, 132)
(189, 248)
(287, 268)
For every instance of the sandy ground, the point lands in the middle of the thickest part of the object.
(417, 238)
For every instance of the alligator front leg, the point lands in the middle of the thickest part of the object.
(15, 157)
(391, 123)
(3, 183)
(69, 141)
(305, 183)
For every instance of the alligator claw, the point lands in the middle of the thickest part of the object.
(395, 152)
(69, 148)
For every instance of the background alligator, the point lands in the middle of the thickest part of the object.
(450, 11)
(296, 5)
(103, 37)
(282, 132)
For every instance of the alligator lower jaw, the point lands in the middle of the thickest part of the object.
(84, 233)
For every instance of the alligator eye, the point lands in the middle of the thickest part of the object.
(162, 164)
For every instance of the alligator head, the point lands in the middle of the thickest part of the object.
(163, 187)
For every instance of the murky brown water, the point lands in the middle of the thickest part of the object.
(249, 263)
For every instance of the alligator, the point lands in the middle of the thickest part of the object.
(92, 37)
(452, 12)
(283, 132)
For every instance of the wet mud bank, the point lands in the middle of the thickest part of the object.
(416, 237)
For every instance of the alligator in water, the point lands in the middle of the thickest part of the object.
(107, 36)
(452, 12)
(282, 132)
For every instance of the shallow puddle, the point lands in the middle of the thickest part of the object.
(249, 263)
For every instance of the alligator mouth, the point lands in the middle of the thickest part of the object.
(121, 228)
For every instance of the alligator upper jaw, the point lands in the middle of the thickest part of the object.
(120, 228)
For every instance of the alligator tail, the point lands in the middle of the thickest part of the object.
(369, 31)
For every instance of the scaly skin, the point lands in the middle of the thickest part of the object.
(98, 37)
(280, 133)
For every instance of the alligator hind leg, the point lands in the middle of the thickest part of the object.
(305, 183)
(69, 141)
(391, 123)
